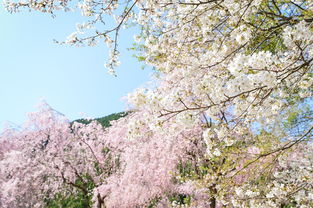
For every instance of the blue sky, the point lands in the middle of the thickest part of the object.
(72, 80)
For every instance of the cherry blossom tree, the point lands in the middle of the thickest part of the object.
(228, 121)
(50, 157)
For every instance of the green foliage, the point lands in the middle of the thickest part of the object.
(291, 119)
(154, 202)
(180, 199)
(77, 198)
(105, 121)
(299, 117)
(290, 205)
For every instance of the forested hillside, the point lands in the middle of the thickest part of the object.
(104, 121)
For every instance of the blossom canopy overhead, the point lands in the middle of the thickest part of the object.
(227, 122)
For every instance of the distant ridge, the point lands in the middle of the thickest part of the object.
(104, 121)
